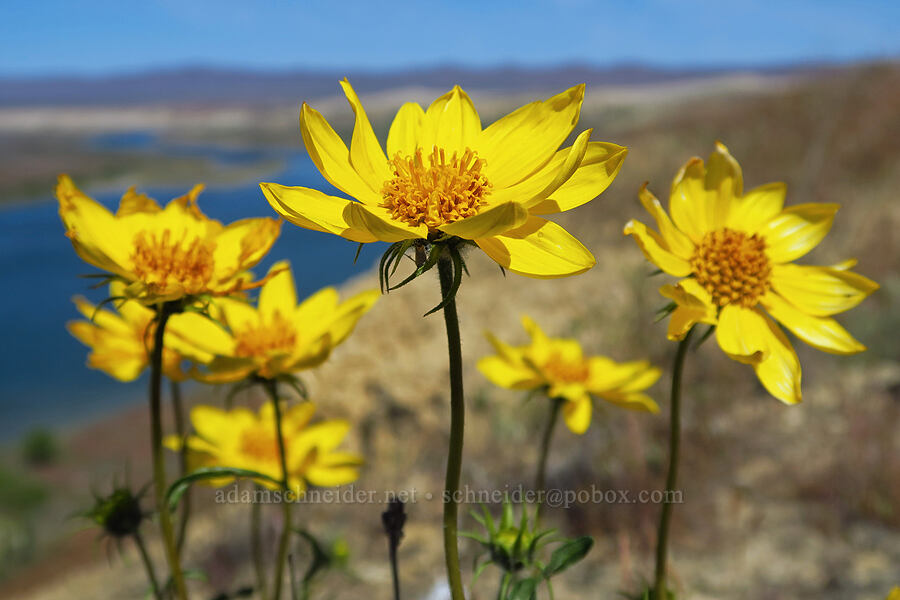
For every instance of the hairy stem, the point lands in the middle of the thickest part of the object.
(256, 548)
(660, 591)
(457, 427)
(540, 480)
(148, 565)
(181, 430)
(164, 311)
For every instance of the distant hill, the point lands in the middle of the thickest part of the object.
(201, 85)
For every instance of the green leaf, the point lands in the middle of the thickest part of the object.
(567, 555)
(358, 250)
(524, 589)
(180, 486)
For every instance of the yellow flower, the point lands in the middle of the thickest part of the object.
(734, 251)
(242, 439)
(120, 341)
(559, 365)
(278, 336)
(445, 175)
(895, 594)
(164, 253)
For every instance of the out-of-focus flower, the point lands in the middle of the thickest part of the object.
(120, 341)
(445, 177)
(895, 594)
(164, 254)
(559, 366)
(278, 337)
(242, 439)
(735, 253)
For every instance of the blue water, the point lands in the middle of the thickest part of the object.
(43, 378)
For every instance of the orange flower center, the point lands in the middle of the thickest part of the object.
(168, 265)
(561, 370)
(272, 337)
(260, 444)
(436, 191)
(732, 266)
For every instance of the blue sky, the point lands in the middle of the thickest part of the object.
(99, 36)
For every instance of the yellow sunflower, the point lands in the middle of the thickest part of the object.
(164, 254)
(735, 253)
(120, 341)
(242, 439)
(277, 337)
(445, 176)
(559, 366)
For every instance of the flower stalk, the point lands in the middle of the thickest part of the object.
(148, 565)
(660, 591)
(283, 543)
(457, 428)
(163, 312)
(540, 480)
(181, 431)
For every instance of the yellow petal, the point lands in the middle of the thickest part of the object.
(316, 310)
(489, 222)
(758, 206)
(578, 414)
(797, 230)
(197, 336)
(724, 182)
(238, 315)
(676, 242)
(508, 375)
(379, 224)
(311, 209)
(366, 155)
(403, 137)
(349, 313)
(606, 375)
(243, 244)
(451, 123)
(688, 202)
(330, 155)
(632, 401)
(742, 334)
(278, 294)
(331, 476)
(819, 332)
(212, 423)
(132, 202)
(599, 166)
(779, 372)
(103, 318)
(540, 249)
(656, 250)
(523, 141)
(821, 291)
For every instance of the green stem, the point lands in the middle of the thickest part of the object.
(540, 480)
(148, 565)
(504, 585)
(284, 542)
(164, 311)
(395, 571)
(181, 430)
(660, 591)
(256, 545)
(457, 428)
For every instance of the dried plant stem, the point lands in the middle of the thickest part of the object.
(164, 311)
(660, 591)
(457, 428)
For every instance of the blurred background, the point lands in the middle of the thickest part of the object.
(780, 502)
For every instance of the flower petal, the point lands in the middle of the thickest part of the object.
(243, 244)
(821, 291)
(819, 332)
(378, 223)
(451, 123)
(524, 140)
(278, 294)
(540, 249)
(577, 414)
(676, 242)
(366, 155)
(779, 372)
(757, 207)
(724, 183)
(190, 332)
(687, 200)
(488, 223)
(330, 155)
(599, 166)
(505, 374)
(311, 209)
(797, 230)
(631, 401)
(656, 250)
(349, 313)
(316, 310)
(742, 334)
(403, 137)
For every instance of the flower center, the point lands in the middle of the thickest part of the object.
(561, 370)
(259, 443)
(168, 265)
(439, 192)
(276, 336)
(732, 266)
